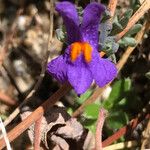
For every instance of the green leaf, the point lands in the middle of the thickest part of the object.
(136, 28)
(125, 19)
(117, 120)
(80, 10)
(122, 102)
(70, 111)
(119, 89)
(120, 24)
(106, 16)
(123, 22)
(127, 84)
(112, 58)
(84, 96)
(90, 124)
(128, 13)
(127, 41)
(91, 111)
(117, 27)
(110, 46)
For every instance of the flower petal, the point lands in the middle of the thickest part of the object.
(103, 71)
(57, 68)
(90, 23)
(70, 17)
(80, 77)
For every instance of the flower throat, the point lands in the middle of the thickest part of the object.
(81, 47)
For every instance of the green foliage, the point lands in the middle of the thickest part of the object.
(135, 29)
(125, 19)
(70, 111)
(118, 91)
(116, 120)
(90, 124)
(127, 41)
(91, 115)
(120, 104)
(91, 111)
(84, 96)
(120, 23)
(3, 116)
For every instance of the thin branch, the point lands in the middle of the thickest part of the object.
(119, 65)
(99, 127)
(112, 7)
(138, 14)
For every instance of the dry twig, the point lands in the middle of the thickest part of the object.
(112, 7)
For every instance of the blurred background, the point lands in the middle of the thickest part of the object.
(24, 31)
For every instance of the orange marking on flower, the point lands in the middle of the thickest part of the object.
(102, 53)
(87, 51)
(78, 47)
(75, 50)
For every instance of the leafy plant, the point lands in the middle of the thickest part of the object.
(119, 105)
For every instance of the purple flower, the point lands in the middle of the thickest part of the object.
(81, 62)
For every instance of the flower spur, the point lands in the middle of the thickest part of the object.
(81, 62)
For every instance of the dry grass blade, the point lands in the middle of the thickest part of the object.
(4, 134)
(123, 145)
(112, 7)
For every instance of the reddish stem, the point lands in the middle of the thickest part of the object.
(37, 134)
(99, 127)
